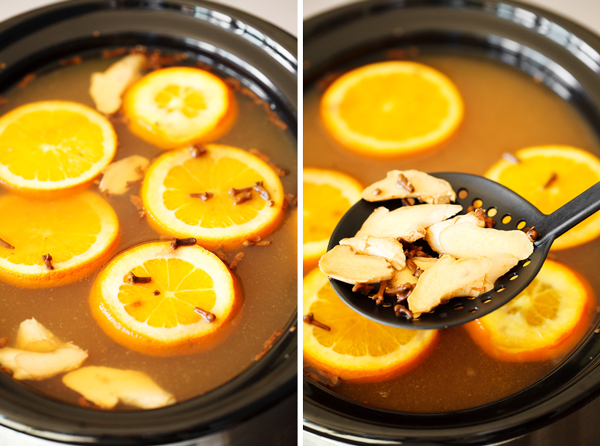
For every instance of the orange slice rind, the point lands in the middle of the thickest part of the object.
(328, 194)
(356, 348)
(159, 317)
(391, 108)
(176, 106)
(541, 323)
(217, 221)
(53, 145)
(79, 232)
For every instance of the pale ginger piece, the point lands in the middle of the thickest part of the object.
(107, 88)
(466, 240)
(34, 337)
(451, 277)
(38, 354)
(405, 275)
(105, 387)
(388, 248)
(39, 366)
(343, 264)
(408, 222)
(427, 188)
(477, 217)
(119, 176)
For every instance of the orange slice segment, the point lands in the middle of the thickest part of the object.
(328, 194)
(54, 145)
(357, 348)
(550, 176)
(541, 323)
(391, 108)
(217, 220)
(79, 232)
(176, 106)
(159, 317)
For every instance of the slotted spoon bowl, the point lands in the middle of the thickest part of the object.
(510, 211)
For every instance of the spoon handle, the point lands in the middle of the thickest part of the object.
(572, 213)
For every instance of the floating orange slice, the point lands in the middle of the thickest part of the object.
(54, 145)
(160, 317)
(391, 108)
(357, 348)
(177, 106)
(79, 232)
(217, 220)
(550, 176)
(541, 323)
(328, 194)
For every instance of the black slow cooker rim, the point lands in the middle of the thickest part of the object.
(264, 383)
(331, 416)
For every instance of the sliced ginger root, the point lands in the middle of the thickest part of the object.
(105, 387)
(39, 355)
(119, 176)
(107, 88)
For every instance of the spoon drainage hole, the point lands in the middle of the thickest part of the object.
(492, 212)
(486, 299)
(521, 224)
(525, 263)
(500, 289)
(477, 203)
(474, 310)
(506, 219)
(458, 306)
(514, 276)
(463, 193)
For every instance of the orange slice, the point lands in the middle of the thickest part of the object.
(79, 232)
(391, 108)
(218, 220)
(159, 318)
(541, 323)
(356, 348)
(328, 194)
(54, 145)
(550, 176)
(177, 106)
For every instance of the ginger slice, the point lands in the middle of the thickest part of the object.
(388, 248)
(39, 354)
(107, 88)
(450, 277)
(467, 240)
(343, 264)
(408, 222)
(119, 176)
(397, 184)
(476, 217)
(405, 275)
(105, 387)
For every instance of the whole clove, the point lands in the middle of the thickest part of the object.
(401, 310)
(5, 244)
(202, 195)
(236, 260)
(363, 288)
(531, 233)
(310, 320)
(47, 258)
(207, 315)
(198, 150)
(233, 191)
(262, 192)
(242, 198)
(177, 242)
(133, 279)
(404, 183)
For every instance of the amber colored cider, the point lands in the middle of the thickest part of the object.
(267, 274)
(505, 110)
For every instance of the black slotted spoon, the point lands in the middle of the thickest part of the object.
(512, 212)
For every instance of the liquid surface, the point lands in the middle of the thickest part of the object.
(266, 273)
(505, 110)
